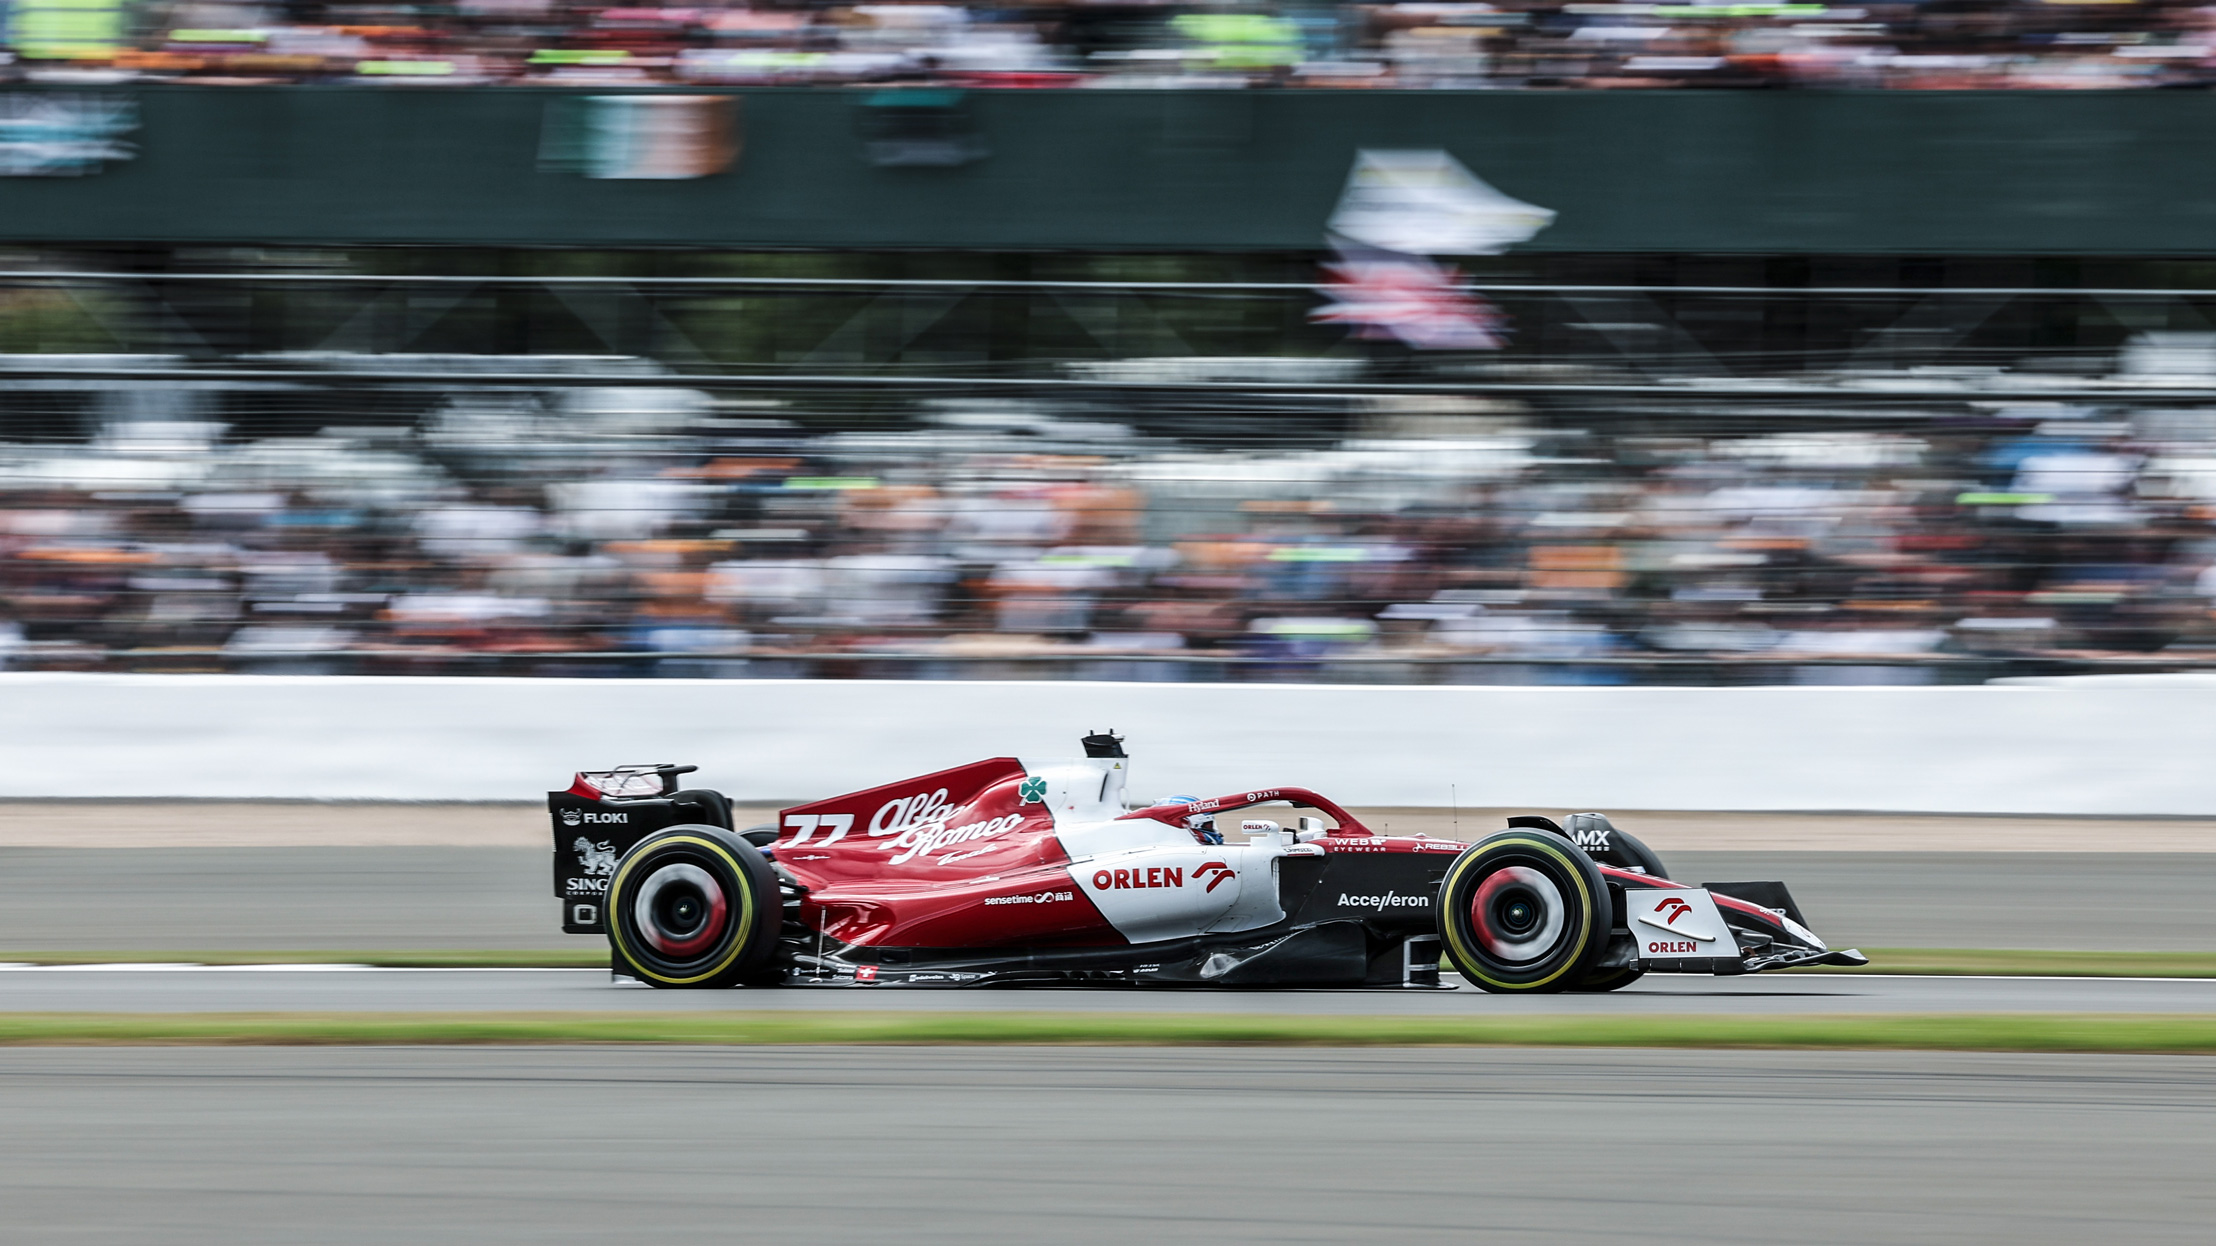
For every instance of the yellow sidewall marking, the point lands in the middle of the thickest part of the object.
(745, 917)
(1466, 957)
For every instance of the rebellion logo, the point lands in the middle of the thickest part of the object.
(1214, 872)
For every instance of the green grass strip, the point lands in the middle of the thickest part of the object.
(2030, 1032)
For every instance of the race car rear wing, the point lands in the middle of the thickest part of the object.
(601, 814)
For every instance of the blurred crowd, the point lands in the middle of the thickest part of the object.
(647, 531)
(1938, 44)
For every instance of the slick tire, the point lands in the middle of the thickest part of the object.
(693, 906)
(1635, 854)
(1523, 910)
(1599, 980)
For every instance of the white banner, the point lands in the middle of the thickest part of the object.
(2097, 748)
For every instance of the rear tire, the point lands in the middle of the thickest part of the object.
(1523, 910)
(693, 906)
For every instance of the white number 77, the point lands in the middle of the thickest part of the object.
(806, 824)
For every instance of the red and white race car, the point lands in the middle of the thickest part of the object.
(1001, 872)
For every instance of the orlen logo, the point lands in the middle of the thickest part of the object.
(1215, 872)
(1669, 909)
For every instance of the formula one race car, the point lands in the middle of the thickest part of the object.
(1003, 873)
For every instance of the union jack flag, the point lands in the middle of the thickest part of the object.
(1408, 299)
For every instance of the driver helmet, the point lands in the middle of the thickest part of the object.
(1202, 825)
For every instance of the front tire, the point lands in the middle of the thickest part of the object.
(1523, 910)
(1637, 855)
(1600, 980)
(693, 906)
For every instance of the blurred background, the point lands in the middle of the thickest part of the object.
(827, 341)
(1943, 44)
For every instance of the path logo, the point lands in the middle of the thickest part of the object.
(1672, 909)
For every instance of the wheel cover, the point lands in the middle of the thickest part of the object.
(680, 910)
(1517, 914)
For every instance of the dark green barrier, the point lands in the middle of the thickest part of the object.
(2070, 173)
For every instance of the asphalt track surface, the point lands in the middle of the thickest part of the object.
(343, 989)
(1025, 1145)
(401, 897)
